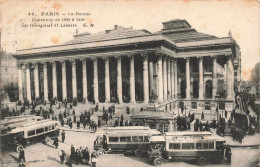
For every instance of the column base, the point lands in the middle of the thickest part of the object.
(133, 102)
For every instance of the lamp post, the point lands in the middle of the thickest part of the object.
(217, 100)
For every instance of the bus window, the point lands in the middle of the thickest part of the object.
(49, 127)
(134, 138)
(46, 129)
(113, 139)
(198, 146)
(187, 145)
(31, 133)
(175, 146)
(211, 145)
(53, 127)
(205, 146)
(41, 130)
(125, 139)
(146, 139)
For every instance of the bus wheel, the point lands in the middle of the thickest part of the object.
(202, 161)
(158, 162)
(138, 153)
(100, 152)
(18, 148)
(47, 140)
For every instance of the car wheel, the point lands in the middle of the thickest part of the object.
(202, 161)
(100, 152)
(18, 148)
(158, 162)
(138, 153)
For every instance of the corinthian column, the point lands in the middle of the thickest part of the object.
(28, 82)
(54, 79)
(20, 82)
(165, 79)
(214, 77)
(36, 80)
(175, 78)
(169, 78)
(132, 79)
(45, 82)
(74, 79)
(84, 79)
(95, 81)
(64, 81)
(107, 80)
(201, 78)
(229, 77)
(160, 77)
(145, 78)
(151, 75)
(187, 78)
(172, 78)
(119, 80)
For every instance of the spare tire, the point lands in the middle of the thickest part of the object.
(18, 148)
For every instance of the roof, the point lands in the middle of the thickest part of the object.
(188, 133)
(34, 125)
(118, 33)
(155, 115)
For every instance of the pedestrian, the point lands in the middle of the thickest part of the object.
(62, 122)
(61, 154)
(84, 124)
(75, 119)
(70, 124)
(72, 154)
(94, 160)
(63, 136)
(99, 123)
(78, 124)
(21, 164)
(56, 142)
(228, 154)
(22, 155)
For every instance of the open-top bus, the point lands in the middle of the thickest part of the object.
(201, 146)
(30, 133)
(124, 139)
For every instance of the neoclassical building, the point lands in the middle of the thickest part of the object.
(177, 66)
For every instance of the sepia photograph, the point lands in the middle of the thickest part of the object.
(132, 83)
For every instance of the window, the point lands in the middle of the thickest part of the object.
(146, 139)
(41, 130)
(113, 139)
(49, 127)
(46, 129)
(31, 133)
(53, 126)
(222, 105)
(187, 145)
(137, 138)
(125, 139)
(198, 146)
(205, 146)
(211, 145)
(175, 146)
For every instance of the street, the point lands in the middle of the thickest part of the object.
(41, 155)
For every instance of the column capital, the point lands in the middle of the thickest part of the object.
(200, 57)
(27, 65)
(44, 63)
(83, 60)
(73, 61)
(187, 59)
(214, 56)
(53, 62)
(228, 56)
(94, 59)
(159, 54)
(105, 59)
(130, 56)
(62, 61)
(19, 65)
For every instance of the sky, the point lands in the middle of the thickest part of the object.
(215, 17)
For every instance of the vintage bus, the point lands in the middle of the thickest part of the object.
(132, 139)
(201, 146)
(30, 133)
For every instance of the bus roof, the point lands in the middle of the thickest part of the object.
(34, 125)
(188, 133)
(130, 130)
